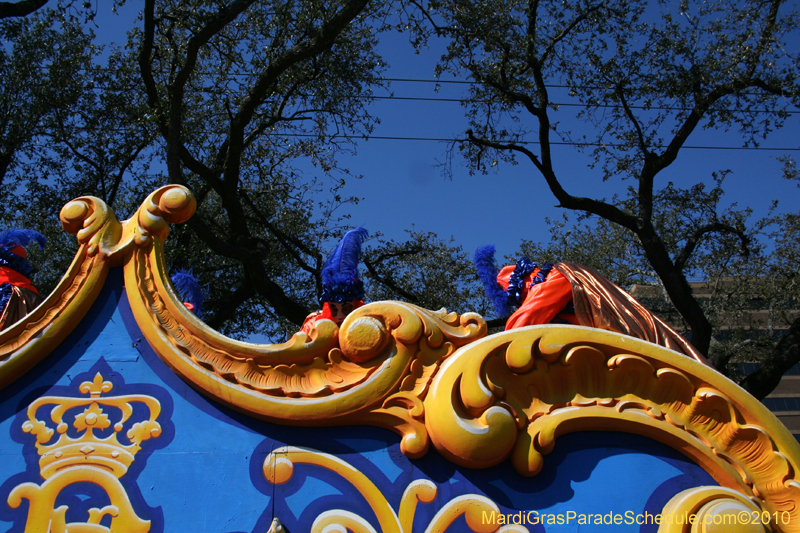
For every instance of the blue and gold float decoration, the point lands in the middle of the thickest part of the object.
(544, 428)
(88, 458)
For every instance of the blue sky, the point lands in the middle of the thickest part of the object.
(401, 188)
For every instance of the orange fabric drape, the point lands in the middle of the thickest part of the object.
(598, 302)
(12, 277)
(543, 301)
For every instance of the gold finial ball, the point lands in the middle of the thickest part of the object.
(177, 203)
(362, 338)
(414, 446)
(73, 215)
(278, 469)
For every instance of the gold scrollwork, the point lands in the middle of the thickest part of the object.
(373, 370)
(715, 510)
(512, 394)
(87, 458)
(430, 376)
(279, 468)
(104, 242)
(30, 340)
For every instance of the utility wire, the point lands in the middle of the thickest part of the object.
(406, 80)
(557, 104)
(467, 82)
(552, 143)
(454, 82)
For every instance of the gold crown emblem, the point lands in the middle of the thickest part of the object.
(89, 449)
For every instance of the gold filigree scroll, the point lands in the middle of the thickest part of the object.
(716, 510)
(430, 376)
(374, 370)
(279, 468)
(512, 394)
(104, 242)
(87, 458)
(31, 339)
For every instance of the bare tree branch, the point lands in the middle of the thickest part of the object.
(567, 30)
(606, 210)
(620, 91)
(322, 40)
(22, 8)
(285, 240)
(389, 283)
(231, 305)
(694, 239)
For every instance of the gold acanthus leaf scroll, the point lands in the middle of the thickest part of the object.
(104, 242)
(279, 468)
(717, 510)
(428, 375)
(375, 369)
(512, 394)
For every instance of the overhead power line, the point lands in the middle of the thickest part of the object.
(553, 143)
(401, 80)
(455, 82)
(469, 82)
(561, 104)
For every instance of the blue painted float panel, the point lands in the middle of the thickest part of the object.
(204, 472)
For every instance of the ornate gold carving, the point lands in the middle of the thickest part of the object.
(424, 374)
(31, 339)
(96, 227)
(87, 458)
(716, 510)
(512, 394)
(279, 468)
(374, 370)
(104, 242)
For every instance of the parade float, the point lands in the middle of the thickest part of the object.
(121, 411)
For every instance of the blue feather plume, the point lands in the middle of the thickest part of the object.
(9, 259)
(487, 272)
(22, 237)
(12, 238)
(340, 281)
(189, 290)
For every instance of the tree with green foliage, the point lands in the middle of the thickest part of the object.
(780, 287)
(68, 127)
(21, 8)
(646, 76)
(426, 271)
(239, 93)
(247, 104)
(43, 75)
